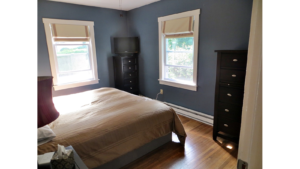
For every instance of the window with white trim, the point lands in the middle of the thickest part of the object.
(178, 49)
(72, 53)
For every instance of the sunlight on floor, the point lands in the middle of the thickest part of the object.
(175, 138)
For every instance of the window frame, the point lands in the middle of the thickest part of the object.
(162, 50)
(52, 55)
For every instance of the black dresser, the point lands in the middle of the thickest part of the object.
(126, 73)
(229, 94)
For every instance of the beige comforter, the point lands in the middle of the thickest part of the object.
(114, 124)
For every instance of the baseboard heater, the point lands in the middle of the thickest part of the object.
(204, 118)
(195, 115)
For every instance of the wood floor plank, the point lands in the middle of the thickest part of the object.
(200, 151)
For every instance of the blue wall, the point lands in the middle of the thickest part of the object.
(107, 23)
(224, 24)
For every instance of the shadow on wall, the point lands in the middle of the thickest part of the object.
(112, 44)
(111, 76)
(141, 75)
(110, 62)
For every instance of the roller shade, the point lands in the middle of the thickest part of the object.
(63, 32)
(182, 27)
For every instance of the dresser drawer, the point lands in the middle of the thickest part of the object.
(130, 81)
(231, 95)
(131, 87)
(129, 67)
(129, 61)
(234, 60)
(130, 74)
(237, 76)
(227, 110)
(229, 126)
(233, 85)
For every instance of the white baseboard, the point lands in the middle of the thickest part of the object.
(204, 118)
(192, 114)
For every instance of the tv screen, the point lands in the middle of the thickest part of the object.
(126, 45)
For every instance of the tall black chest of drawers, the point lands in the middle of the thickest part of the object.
(229, 93)
(126, 73)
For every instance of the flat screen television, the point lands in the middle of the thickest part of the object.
(126, 45)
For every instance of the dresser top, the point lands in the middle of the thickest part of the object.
(232, 51)
(125, 56)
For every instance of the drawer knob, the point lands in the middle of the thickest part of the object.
(130, 81)
(226, 110)
(228, 84)
(226, 125)
(129, 67)
(235, 60)
(228, 94)
(129, 74)
(129, 60)
(233, 75)
(130, 87)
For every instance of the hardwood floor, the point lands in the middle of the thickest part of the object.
(200, 151)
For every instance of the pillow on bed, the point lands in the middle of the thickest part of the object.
(45, 134)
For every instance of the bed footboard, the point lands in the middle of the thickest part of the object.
(135, 154)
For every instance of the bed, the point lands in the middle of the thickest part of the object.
(110, 123)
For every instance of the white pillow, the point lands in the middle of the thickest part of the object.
(45, 134)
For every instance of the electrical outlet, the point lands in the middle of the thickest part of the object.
(161, 91)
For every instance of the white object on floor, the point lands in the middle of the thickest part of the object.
(45, 158)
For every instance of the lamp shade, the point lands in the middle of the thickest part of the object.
(46, 110)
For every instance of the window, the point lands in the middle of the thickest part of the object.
(72, 54)
(178, 49)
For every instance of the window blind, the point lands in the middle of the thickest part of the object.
(182, 27)
(63, 32)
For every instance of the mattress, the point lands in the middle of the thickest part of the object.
(111, 124)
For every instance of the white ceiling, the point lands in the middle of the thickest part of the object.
(126, 5)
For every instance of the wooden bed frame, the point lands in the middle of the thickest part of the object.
(137, 153)
(112, 145)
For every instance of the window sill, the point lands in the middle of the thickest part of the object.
(72, 85)
(178, 85)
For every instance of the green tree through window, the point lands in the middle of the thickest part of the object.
(179, 58)
(80, 49)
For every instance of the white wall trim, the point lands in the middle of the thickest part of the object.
(64, 21)
(50, 51)
(195, 14)
(179, 85)
(192, 114)
(204, 118)
(53, 62)
(72, 85)
(179, 15)
(250, 144)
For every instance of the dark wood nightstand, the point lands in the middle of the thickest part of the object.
(79, 164)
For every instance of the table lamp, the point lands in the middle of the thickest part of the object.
(46, 110)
